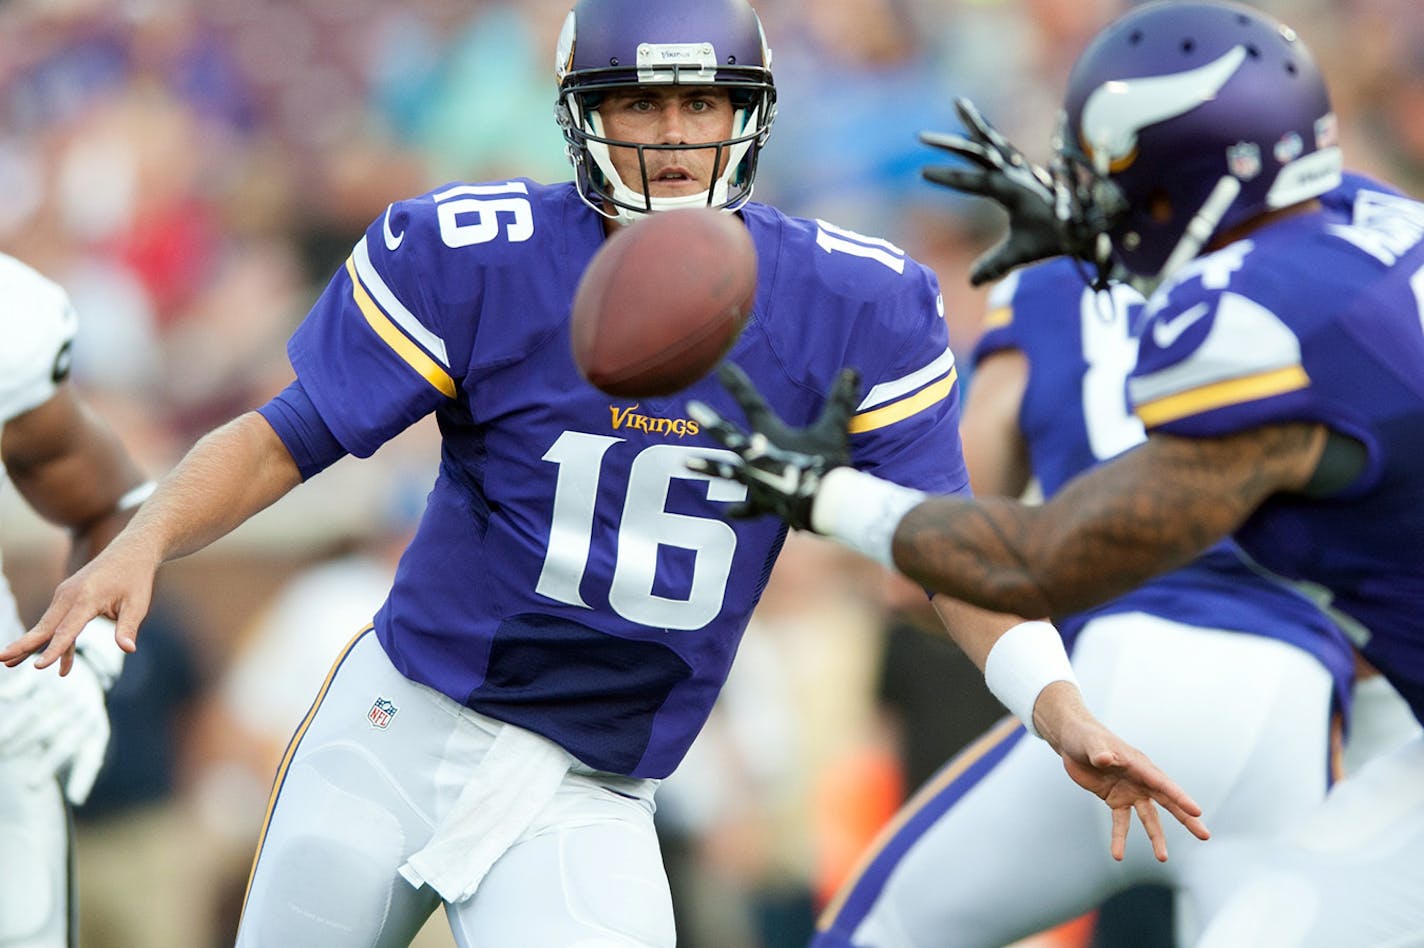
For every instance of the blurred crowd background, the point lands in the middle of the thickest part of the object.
(194, 170)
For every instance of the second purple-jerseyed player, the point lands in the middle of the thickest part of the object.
(1231, 680)
(1278, 379)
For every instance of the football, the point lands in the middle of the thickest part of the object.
(662, 301)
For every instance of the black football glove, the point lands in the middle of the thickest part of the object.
(1039, 217)
(781, 466)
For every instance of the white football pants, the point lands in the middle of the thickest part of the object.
(34, 859)
(1351, 875)
(1002, 844)
(376, 766)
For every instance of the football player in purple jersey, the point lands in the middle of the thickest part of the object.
(1277, 376)
(570, 604)
(71, 469)
(1232, 681)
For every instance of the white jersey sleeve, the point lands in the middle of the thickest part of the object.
(37, 326)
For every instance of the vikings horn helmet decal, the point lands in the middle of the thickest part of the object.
(1184, 119)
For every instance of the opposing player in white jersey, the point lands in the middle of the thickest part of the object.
(1222, 674)
(569, 606)
(69, 466)
(1278, 378)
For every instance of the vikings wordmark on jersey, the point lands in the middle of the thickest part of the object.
(571, 575)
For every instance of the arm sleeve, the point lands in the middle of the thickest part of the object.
(301, 428)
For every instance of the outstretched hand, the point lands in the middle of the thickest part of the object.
(781, 466)
(117, 584)
(996, 169)
(1116, 772)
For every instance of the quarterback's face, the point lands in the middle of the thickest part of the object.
(671, 115)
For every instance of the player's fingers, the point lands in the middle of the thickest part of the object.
(967, 180)
(734, 380)
(37, 638)
(23, 647)
(979, 126)
(728, 434)
(841, 403)
(703, 414)
(716, 467)
(60, 649)
(1192, 821)
(1121, 821)
(990, 266)
(1168, 795)
(1165, 790)
(959, 146)
(64, 623)
(126, 629)
(969, 114)
(1152, 823)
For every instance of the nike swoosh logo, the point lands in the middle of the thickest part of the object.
(1167, 331)
(392, 240)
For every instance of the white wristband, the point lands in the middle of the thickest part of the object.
(862, 511)
(135, 496)
(97, 645)
(1026, 659)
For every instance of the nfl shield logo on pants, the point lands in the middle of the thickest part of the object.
(381, 713)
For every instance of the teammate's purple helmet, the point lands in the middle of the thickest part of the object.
(611, 43)
(1185, 119)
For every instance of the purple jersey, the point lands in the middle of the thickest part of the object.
(1080, 346)
(1315, 317)
(570, 575)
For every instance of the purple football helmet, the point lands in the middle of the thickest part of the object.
(606, 44)
(1186, 119)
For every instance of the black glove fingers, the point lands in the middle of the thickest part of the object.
(743, 511)
(845, 396)
(991, 265)
(968, 180)
(718, 427)
(981, 130)
(959, 146)
(715, 467)
(972, 119)
(760, 416)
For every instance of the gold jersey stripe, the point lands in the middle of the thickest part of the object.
(292, 749)
(967, 758)
(998, 316)
(905, 407)
(397, 340)
(1218, 394)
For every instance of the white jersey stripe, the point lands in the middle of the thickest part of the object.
(393, 307)
(893, 389)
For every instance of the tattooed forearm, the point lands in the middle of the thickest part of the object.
(1149, 511)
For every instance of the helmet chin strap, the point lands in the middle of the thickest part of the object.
(623, 195)
(1201, 227)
